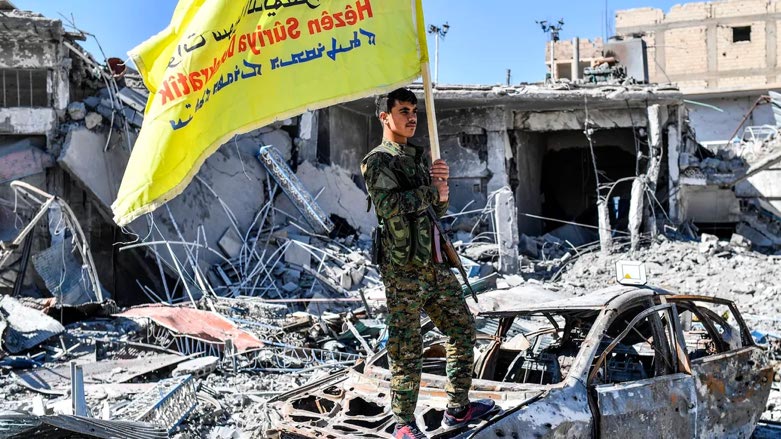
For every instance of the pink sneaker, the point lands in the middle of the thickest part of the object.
(476, 410)
(408, 431)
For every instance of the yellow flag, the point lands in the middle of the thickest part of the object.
(224, 67)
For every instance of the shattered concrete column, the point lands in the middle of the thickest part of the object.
(655, 123)
(506, 219)
(636, 211)
(307, 133)
(674, 149)
(506, 214)
(499, 149)
(605, 232)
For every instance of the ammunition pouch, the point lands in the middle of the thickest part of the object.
(407, 239)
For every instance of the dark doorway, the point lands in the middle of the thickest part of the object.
(569, 187)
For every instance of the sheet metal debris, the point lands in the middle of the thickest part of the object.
(56, 380)
(19, 426)
(200, 325)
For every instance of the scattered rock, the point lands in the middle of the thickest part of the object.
(92, 120)
(77, 110)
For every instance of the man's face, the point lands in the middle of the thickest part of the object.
(402, 120)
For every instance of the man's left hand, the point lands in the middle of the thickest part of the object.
(440, 170)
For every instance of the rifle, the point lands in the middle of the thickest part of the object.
(450, 251)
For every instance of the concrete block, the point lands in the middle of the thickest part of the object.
(345, 279)
(230, 243)
(92, 102)
(738, 241)
(291, 275)
(280, 140)
(296, 254)
(198, 367)
(92, 120)
(77, 110)
(290, 287)
(357, 274)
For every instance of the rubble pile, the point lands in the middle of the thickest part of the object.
(287, 304)
(711, 266)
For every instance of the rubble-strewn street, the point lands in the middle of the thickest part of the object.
(249, 305)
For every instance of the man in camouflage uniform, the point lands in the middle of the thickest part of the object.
(403, 189)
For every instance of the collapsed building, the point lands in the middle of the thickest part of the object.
(267, 247)
(722, 56)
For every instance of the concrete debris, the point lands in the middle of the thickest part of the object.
(23, 328)
(340, 195)
(92, 120)
(77, 110)
(198, 367)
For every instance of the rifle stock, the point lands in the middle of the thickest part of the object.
(450, 251)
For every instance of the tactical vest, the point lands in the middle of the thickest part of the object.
(405, 238)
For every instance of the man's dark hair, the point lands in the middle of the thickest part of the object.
(386, 102)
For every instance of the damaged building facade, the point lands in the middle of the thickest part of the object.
(723, 57)
(257, 278)
(538, 142)
(541, 158)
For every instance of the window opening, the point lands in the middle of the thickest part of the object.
(741, 33)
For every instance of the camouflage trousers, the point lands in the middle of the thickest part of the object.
(435, 290)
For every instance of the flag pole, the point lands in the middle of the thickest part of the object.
(431, 113)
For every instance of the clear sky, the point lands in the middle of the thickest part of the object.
(485, 39)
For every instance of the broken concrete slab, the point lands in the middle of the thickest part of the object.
(197, 367)
(230, 243)
(341, 195)
(23, 328)
(99, 171)
(297, 254)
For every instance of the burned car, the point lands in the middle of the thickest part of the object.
(631, 361)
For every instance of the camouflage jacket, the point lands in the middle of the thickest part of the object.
(397, 178)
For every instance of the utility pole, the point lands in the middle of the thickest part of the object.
(553, 30)
(439, 32)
